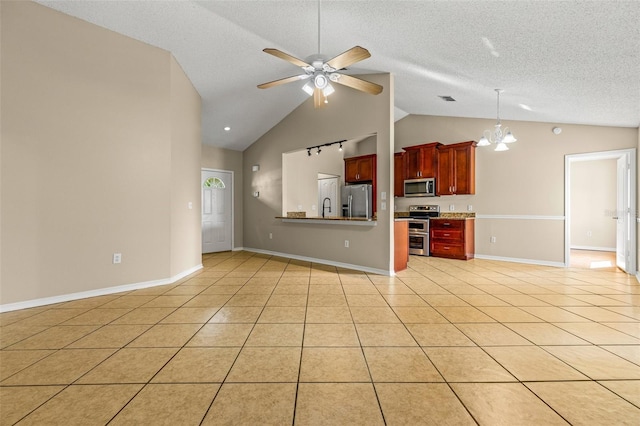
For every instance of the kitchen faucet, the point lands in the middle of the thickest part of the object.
(323, 207)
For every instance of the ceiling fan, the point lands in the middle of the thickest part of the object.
(321, 72)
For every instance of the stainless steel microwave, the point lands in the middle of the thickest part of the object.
(425, 187)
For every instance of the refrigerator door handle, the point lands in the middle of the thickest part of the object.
(350, 199)
(366, 204)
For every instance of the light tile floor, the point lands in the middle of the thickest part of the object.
(254, 339)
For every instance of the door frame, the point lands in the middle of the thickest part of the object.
(233, 202)
(630, 155)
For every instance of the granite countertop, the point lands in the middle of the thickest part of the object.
(443, 215)
(456, 215)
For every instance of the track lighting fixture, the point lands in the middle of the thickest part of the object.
(318, 150)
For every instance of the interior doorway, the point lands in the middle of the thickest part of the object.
(618, 215)
(328, 203)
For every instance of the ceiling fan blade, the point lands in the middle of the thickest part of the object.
(280, 54)
(283, 81)
(351, 56)
(357, 83)
(318, 98)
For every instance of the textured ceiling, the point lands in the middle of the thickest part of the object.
(568, 61)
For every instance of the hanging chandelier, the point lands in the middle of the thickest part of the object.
(499, 137)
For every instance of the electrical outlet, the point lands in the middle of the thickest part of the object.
(190, 205)
(346, 243)
(470, 208)
(117, 258)
(589, 234)
(270, 236)
(452, 207)
(383, 205)
(493, 239)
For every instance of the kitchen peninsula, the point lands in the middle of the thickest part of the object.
(330, 220)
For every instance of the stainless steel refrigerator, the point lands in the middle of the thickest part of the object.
(357, 201)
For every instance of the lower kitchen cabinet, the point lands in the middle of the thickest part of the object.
(401, 245)
(452, 238)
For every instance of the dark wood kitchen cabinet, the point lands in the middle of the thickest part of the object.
(401, 245)
(398, 174)
(360, 169)
(452, 238)
(421, 160)
(456, 169)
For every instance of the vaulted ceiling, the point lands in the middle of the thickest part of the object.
(557, 61)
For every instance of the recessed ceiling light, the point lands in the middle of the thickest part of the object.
(226, 129)
(523, 106)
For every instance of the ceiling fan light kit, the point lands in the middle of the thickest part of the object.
(499, 137)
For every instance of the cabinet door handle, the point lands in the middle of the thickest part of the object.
(447, 248)
(446, 224)
(446, 235)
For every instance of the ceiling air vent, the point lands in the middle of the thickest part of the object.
(447, 98)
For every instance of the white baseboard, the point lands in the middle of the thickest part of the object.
(322, 261)
(97, 292)
(519, 260)
(593, 248)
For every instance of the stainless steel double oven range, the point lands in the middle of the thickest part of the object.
(419, 228)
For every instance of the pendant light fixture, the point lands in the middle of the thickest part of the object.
(499, 137)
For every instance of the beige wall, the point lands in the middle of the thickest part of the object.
(593, 201)
(349, 114)
(229, 160)
(527, 180)
(97, 133)
(300, 178)
(186, 235)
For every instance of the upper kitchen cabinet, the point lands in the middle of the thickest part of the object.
(456, 169)
(398, 174)
(360, 169)
(421, 161)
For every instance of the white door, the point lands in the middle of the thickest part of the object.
(622, 214)
(328, 197)
(216, 211)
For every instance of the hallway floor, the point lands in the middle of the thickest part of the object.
(256, 339)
